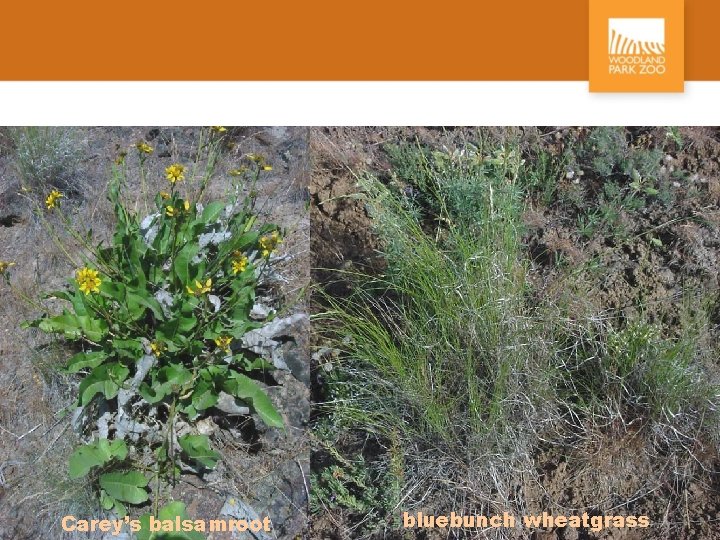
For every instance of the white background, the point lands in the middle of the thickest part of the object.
(349, 103)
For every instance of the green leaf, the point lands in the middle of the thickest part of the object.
(119, 509)
(128, 348)
(185, 324)
(93, 328)
(169, 512)
(197, 447)
(204, 396)
(257, 364)
(125, 486)
(174, 374)
(95, 454)
(84, 360)
(149, 302)
(182, 262)
(105, 379)
(212, 211)
(214, 373)
(248, 390)
(116, 291)
(152, 394)
(168, 330)
(66, 323)
(189, 410)
(106, 501)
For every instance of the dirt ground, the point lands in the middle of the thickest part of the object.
(265, 468)
(610, 470)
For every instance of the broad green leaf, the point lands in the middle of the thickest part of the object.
(128, 348)
(174, 374)
(152, 394)
(116, 291)
(257, 364)
(245, 388)
(216, 373)
(185, 324)
(212, 211)
(197, 447)
(245, 241)
(137, 247)
(84, 360)
(189, 410)
(149, 302)
(95, 454)
(204, 396)
(105, 379)
(66, 323)
(182, 263)
(119, 509)
(93, 328)
(106, 501)
(76, 298)
(125, 486)
(169, 512)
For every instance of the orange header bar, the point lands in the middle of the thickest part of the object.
(317, 40)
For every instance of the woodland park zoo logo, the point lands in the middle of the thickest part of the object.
(636, 47)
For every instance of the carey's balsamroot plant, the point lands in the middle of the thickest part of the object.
(156, 315)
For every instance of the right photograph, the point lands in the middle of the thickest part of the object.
(515, 333)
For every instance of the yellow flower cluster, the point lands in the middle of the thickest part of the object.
(144, 148)
(157, 348)
(175, 173)
(219, 129)
(4, 265)
(223, 342)
(52, 199)
(171, 211)
(88, 280)
(239, 262)
(239, 171)
(269, 243)
(200, 289)
(261, 161)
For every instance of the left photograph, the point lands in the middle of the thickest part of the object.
(154, 364)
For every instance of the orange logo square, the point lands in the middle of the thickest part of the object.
(637, 45)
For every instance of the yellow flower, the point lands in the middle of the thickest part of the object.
(219, 129)
(175, 173)
(4, 265)
(144, 148)
(223, 342)
(239, 171)
(239, 264)
(260, 160)
(200, 288)
(186, 206)
(164, 195)
(170, 211)
(52, 199)
(88, 280)
(269, 243)
(157, 348)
